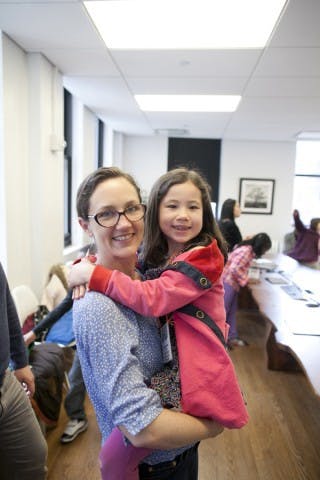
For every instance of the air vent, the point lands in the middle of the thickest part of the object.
(172, 132)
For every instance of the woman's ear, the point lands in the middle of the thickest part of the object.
(84, 224)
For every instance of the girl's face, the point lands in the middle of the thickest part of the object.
(318, 228)
(117, 245)
(236, 210)
(180, 215)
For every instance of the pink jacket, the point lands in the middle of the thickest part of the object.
(209, 387)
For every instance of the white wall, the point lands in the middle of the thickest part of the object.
(32, 164)
(146, 159)
(32, 172)
(84, 160)
(273, 160)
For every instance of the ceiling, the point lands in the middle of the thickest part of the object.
(279, 85)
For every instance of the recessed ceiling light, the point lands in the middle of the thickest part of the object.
(188, 103)
(185, 24)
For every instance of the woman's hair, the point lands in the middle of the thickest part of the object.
(260, 243)
(155, 247)
(314, 223)
(227, 209)
(91, 182)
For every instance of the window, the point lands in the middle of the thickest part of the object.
(67, 166)
(306, 190)
(100, 143)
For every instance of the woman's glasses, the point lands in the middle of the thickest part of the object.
(110, 217)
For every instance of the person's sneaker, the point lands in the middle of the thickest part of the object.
(72, 430)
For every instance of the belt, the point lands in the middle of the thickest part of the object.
(145, 468)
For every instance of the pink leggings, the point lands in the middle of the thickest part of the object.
(119, 461)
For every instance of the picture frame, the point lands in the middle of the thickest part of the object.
(256, 195)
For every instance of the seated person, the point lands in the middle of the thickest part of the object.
(74, 401)
(307, 247)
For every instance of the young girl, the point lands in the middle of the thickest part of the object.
(183, 262)
(235, 275)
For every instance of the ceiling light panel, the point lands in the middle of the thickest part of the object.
(185, 24)
(188, 103)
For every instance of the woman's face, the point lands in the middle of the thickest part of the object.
(117, 245)
(236, 210)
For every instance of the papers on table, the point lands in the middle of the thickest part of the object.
(263, 264)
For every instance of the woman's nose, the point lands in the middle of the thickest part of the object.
(123, 220)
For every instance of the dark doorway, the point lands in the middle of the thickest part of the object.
(201, 154)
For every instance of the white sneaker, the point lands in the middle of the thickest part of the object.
(72, 430)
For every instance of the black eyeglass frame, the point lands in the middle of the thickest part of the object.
(95, 217)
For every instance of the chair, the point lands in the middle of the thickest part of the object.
(48, 361)
(25, 301)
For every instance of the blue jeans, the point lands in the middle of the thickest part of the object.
(183, 467)
(74, 401)
(23, 448)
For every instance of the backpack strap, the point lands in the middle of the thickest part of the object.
(199, 314)
(190, 271)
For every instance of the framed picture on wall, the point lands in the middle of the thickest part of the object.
(256, 195)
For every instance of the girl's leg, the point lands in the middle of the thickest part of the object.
(119, 461)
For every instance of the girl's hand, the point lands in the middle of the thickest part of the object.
(80, 273)
(79, 292)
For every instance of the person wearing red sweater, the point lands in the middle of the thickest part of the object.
(183, 256)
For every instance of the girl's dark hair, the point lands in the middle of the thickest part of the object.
(155, 247)
(91, 182)
(260, 243)
(227, 209)
(314, 223)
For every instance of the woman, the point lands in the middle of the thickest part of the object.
(229, 229)
(119, 356)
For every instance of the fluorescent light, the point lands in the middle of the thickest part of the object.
(188, 103)
(185, 24)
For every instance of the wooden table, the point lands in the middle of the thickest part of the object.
(286, 350)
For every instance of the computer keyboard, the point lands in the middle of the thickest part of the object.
(294, 291)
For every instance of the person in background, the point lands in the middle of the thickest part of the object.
(307, 246)
(235, 275)
(229, 229)
(74, 400)
(23, 448)
(119, 351)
